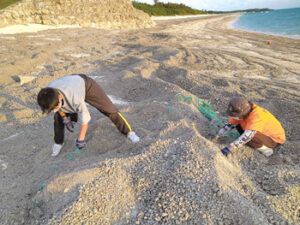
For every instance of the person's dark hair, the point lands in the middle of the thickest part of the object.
(47, 99)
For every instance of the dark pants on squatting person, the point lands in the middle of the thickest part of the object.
(259, 140)
(95, 96)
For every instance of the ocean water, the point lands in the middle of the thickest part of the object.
(283, 22)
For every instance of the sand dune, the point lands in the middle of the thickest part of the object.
(175, 175)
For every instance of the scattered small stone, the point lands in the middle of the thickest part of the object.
(158, 219)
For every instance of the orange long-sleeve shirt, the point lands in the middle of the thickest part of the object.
(262, 121)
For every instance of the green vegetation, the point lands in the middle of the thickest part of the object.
(168, 9)
(5, 3)
(172, 9)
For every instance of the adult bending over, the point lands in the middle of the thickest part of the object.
(67, 97)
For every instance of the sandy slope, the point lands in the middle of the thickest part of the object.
(175, 175)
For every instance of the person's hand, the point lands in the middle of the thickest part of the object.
(215, 139)
(68, 124)
(225, 151)
(80, 144)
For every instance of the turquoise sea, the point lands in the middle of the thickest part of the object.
(283, 22)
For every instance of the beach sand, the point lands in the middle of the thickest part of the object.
(175, 174)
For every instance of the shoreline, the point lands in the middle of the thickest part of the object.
(238, 27)
(297, 36)
(34, 28)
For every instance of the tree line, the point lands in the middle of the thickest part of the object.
(166, 9)
(172, 9)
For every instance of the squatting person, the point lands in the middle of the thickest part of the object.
(257, 126)
(67, 97)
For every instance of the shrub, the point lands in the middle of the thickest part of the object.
(168, 9)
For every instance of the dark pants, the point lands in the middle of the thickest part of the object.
(259, 140)
(59, 127)
(95, 96)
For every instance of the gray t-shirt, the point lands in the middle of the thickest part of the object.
(72, 88)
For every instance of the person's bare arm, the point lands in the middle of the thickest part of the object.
(83, 131)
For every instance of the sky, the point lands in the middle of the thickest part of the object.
(227, 5)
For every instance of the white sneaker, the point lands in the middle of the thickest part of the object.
(265, 150)
(56, 149)
(133, 137)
